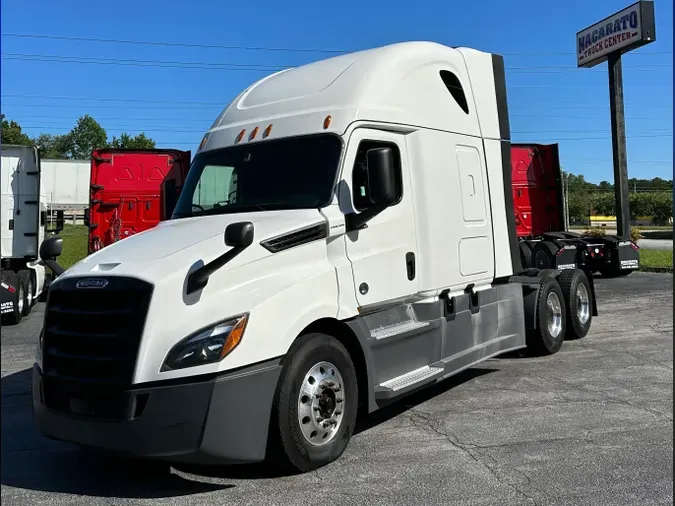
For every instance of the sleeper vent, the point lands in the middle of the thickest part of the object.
(453, 85)
(296, 238)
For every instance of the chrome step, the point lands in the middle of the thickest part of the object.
(397, 328)
(412, 377)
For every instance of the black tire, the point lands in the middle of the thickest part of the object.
(541, 341)
(525, 254)
(289, 447)
(28, 281)
(15, 317)
(578, 301)
(543, 255)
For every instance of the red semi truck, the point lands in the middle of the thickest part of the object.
(126, 196)
(540, 220)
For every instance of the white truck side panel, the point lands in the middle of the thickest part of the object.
(20, 197)
(441, 229)
(66, 183)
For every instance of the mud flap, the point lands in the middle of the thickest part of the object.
(566, 257)
(6, 297)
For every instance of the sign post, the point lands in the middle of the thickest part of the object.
(607, 40)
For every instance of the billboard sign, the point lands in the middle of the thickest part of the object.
(623, 31)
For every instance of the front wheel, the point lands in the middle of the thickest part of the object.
(315, 403)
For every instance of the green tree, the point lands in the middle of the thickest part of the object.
(53, 147)
(662, 207)
(85, 137)
(127, 141)
(603, 203)
(12, 134)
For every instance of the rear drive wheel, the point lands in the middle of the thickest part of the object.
(548, 336)
(315, 404)
(578, 301)
(525, 254)
(26, 278)
(543, 254)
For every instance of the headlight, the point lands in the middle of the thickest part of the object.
(38, 349)
(207, 346)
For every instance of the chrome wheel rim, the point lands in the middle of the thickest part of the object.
(321, 403)
(21, 295)
(583, 304)
(554, 314)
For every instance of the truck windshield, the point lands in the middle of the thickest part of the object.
(292, 173)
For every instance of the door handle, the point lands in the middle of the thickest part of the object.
(410, 265)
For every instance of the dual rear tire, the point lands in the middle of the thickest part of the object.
(563, 310)
(23, 284)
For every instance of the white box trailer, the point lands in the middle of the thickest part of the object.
(23, 225)
(66, 184)
(369, 250)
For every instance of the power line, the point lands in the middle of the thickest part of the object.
(184, 102)
(152, 129)
(112, 99)
(210, 117)
(143, 63)
(653, 134)
(253, 67)
(173, 105)
(248, 48)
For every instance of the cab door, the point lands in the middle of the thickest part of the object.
(383, 255)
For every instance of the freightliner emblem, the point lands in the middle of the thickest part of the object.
(92, 283)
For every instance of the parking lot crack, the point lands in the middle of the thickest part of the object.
(426, 421)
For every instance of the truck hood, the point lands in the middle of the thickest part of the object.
(189, 240)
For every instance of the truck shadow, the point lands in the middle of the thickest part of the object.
(32, 462)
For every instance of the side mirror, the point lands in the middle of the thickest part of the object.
(239, 235)
(381, 176)
(51, 248)
(85, 219)
(59, 224)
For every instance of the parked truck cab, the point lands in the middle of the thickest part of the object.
(345, 235)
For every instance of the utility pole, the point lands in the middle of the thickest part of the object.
(607, 40)
(621, 199)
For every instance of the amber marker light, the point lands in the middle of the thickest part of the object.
(203, 143)
(235, 337)
(240, 136)
(267, 131)
(326, 122)
(253, 134)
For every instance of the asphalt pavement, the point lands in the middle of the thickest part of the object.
(592, 424)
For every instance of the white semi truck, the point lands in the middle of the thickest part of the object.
(23, 224)
(365, 247)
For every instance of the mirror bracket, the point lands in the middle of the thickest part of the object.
(239, 236)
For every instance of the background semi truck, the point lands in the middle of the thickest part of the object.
(24, 225)
(364, 247)
(125, 196)
(540, 220)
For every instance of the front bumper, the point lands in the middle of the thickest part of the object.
(210, 421)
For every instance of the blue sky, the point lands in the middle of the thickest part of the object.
(550, 100)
